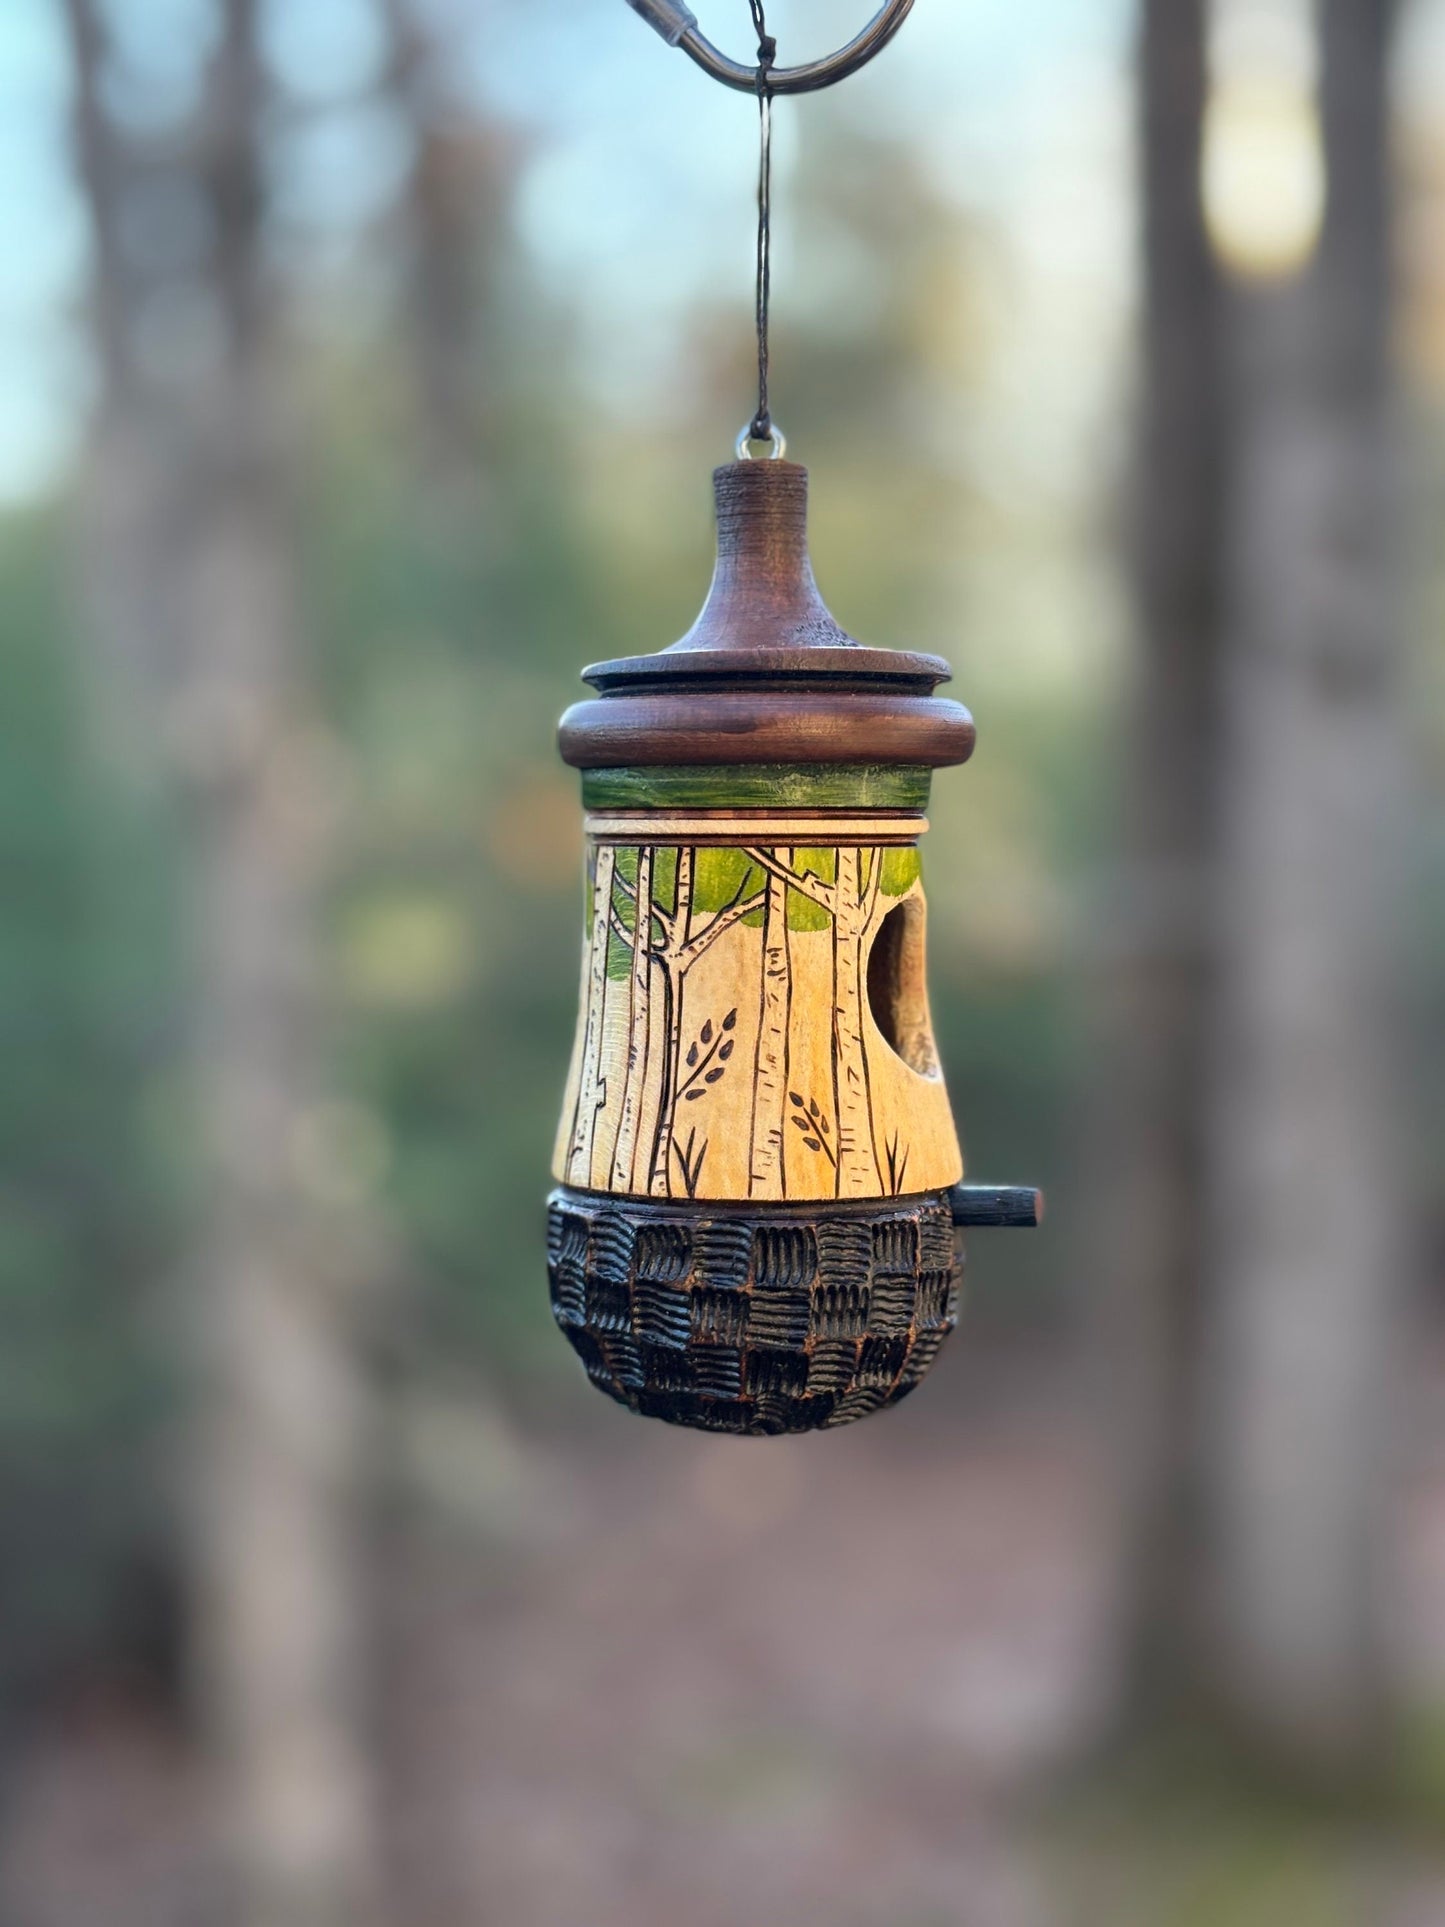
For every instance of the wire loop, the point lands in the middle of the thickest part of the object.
(678, 26)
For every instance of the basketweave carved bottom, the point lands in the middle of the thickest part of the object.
(753, 1319)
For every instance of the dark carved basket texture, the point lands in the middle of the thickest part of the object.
(750, 1321)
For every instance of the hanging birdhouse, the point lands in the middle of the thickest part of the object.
(754, 1229)
(758, 1171)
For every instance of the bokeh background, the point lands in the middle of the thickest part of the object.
(362, 366)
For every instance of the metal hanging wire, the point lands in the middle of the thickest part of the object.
(677, 24)
(760, 428)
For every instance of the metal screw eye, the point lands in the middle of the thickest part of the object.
(776, 437)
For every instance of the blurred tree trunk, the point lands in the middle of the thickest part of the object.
(448, 193)
(1306, 1242)
(124, 496)
(1258, 1266)
(1156, 1178)
(279, 1559)
(278, 1564)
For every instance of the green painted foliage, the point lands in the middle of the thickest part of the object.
(619, 956)
(803, 913)
(838, 786)
(901, 870)
(664, 880)
(723, 877)
(619, 941)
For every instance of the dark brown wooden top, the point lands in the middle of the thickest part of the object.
(765, 674)
(764, 726)
(763, 596)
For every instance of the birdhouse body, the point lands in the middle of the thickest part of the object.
(752, 1229)
(741, 1034)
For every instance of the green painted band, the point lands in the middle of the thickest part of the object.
(761, 786)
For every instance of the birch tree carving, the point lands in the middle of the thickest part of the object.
(770, 1065)
(592, 1087)
(643, 1063)
(665, 942)
(639, 1023)
(783, 1047)
(676, 949)
(674, 935)
(851, 901)
(854, 901)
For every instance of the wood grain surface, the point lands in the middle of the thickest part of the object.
(754, 1020)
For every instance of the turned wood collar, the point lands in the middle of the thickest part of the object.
(766, 674)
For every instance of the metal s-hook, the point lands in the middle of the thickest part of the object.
(677, 24)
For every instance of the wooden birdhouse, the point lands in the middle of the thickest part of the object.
(757, 1166)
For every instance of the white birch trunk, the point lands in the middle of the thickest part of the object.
(674, 978)
(858, 1172)
(591, 1090)
(624, 1154)
(770, 1071)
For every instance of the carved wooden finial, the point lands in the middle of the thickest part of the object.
(763, 596)
(765, 674)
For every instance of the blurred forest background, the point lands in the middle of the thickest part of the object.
(364, 363)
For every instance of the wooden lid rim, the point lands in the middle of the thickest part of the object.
(723, 727)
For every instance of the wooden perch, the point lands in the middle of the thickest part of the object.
(1009, 1207)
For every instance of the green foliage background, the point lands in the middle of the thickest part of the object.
(444, 628)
